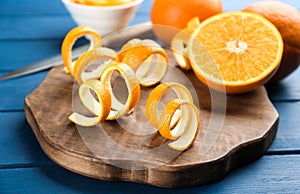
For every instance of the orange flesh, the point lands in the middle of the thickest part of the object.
(241, 51)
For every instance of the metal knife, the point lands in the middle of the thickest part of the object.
(112, 40)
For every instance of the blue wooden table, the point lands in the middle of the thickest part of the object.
(31, 30)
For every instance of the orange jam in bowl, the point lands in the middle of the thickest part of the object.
(102, 2)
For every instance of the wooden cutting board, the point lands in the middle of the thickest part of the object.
(235, 130)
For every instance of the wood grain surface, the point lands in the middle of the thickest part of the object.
(235, 130)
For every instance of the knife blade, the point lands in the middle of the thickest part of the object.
(112, 40)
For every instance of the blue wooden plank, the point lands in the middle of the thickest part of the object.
(16, 53)
(140, 18)
(27, 52)
(33, 27)
(288, 136)
(13, 92)
(19, 146)
(270, 174)
(145, 7)
(287, 89)
(17, 7)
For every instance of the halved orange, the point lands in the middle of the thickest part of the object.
(235, 52)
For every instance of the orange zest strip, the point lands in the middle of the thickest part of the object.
(119, 109)
(70, 40)
(101, 107)
(189, 124)
(141, 56)
(157, 93)
(107, 57)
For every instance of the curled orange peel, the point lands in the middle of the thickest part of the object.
(187, 128)
(179, 120)
(100, 107)
(106, 55)
(155, 96)
(125, 72)
(104, 104)
(147, 58)
(70, 39)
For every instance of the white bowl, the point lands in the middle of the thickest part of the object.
(104, 19)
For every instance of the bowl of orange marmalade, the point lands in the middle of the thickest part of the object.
(103, 15)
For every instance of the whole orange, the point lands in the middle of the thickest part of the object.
(169, 16)
(286, 18)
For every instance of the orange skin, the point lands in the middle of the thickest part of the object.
(286, 18)
(176, 14)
